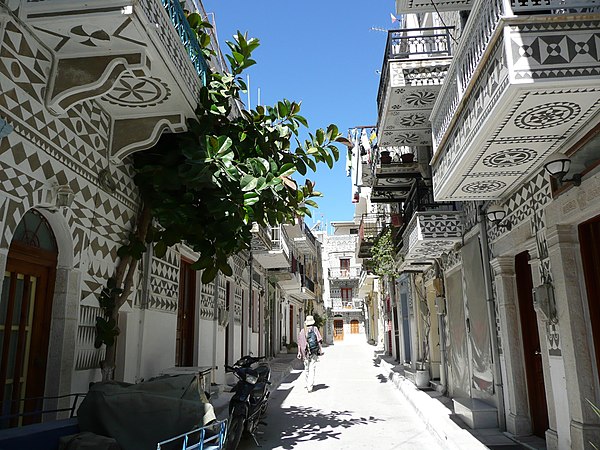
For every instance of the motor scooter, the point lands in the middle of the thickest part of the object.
(249, 402)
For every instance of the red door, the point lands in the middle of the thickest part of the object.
(531, 346)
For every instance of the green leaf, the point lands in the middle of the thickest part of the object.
(301, 167)
(160, 249)
(248, 183)
(209, 274)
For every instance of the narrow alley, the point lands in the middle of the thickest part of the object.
(353, 406)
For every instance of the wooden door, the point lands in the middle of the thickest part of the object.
(531, 346)
(344, 267)
(354, 326)
(589, 240)
(186, 307)
(338, 330)
(25, 319)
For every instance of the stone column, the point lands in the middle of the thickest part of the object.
(517, 413)
(565, 259)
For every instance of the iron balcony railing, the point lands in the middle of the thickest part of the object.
(187, 36)
(413, 44)
(420, 198)
(309, 235)
(308, 283)
(483, 24)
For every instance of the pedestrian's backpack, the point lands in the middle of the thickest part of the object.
(313, 344)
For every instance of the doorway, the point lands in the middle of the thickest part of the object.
(184, 348)
(354, 327)
(534, 372)
(338, 330)
(589, 241)
(25, 318)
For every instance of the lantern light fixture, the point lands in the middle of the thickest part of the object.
(558, 165)
(496, 214)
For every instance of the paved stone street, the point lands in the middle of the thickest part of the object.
(352, 407)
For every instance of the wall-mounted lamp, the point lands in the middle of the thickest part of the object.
(496, 214)
(558, 166)
(544, 302)
(64, 196)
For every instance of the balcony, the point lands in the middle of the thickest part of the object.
(302, 237)
(139, 61)
(414, 68)
(432, 228)
(370, 227)
(422, 6)
(522, 86)
(270, 248)
(342, 304)
(344, 273)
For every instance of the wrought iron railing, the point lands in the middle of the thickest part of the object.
(308, 283)
(34, 408)
(420, 198)
(308, 233)
(413, 44)
(554, 6)
(187, 36)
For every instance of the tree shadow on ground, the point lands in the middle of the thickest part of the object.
(305, 423)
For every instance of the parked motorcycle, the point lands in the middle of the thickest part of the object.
(249, 401)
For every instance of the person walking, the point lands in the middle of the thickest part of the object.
(309, 350)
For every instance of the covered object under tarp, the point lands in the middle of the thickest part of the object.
(140, 415)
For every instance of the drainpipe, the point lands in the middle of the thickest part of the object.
(440, 306)
(215, 328)
(491, 316)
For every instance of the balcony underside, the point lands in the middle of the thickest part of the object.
(421, 6)
(408, 100)
(430, 234)
(126, 55)
(272, 259)
(513, 119)
(303, 294)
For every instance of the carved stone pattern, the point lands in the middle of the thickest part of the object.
(138, 92)
(164, 282)
(547, 115)
(542, 51)
(87, 356)
(509, 158)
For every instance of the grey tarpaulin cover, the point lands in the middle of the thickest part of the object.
(140, 415)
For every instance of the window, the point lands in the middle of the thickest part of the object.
(344, 267)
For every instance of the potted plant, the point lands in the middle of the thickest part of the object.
(385, 157)
(407, 157)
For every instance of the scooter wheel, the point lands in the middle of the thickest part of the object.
(234, 433)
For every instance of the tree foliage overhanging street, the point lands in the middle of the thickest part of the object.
(207, 186)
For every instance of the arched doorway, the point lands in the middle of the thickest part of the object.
(338, 329)
(354, 327)
(25, 316)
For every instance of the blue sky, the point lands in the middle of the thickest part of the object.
(324, 53)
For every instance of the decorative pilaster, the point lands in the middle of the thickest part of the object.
(517, 414)
(565, 259)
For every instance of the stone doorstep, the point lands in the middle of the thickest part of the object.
(476, 413)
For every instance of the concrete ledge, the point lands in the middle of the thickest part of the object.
(476, 413)
(434, 415)
(39, 436)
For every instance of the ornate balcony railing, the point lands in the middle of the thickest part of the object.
(345, 272)
(341, 303)
(480, 30)
(413, 44)
(187, 36)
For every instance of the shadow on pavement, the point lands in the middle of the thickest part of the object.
(382, 378)
(318, 387)
(305, 423)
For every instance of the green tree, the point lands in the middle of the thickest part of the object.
(207, 186)
(383, 256)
